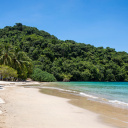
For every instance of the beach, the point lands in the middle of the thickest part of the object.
(26, 107)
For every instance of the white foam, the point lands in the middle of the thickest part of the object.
(53, 88)
(70, 91)
(118, 102)
(59, 89)
(81, 93)
(1, 101)
(90, 96)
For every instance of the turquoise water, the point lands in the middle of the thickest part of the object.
(112, 92)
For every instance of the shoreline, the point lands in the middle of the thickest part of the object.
(96, 95)
(108, 114)
(114, 103)
(99, 121)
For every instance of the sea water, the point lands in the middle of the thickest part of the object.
(115, 93)
(1, 100)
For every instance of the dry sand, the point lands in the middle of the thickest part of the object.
(28, 108)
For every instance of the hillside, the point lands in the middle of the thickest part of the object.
(67, 59)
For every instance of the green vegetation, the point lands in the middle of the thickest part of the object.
(66, 77)
(13, 57)
(25, 48)
(7, 72)
(39, 75)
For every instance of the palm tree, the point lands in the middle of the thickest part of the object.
(16, 59)
(20, 58)
(21, 62)
(6, 55)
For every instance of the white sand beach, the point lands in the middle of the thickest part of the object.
(28, 108)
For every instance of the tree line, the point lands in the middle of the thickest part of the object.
(65, 60)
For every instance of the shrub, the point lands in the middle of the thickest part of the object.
(43, 76)
(7, 72)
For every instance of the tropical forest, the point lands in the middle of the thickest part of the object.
(26, 52)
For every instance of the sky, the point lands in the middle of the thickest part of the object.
(96, 22)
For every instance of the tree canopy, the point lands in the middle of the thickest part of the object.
(64, 59)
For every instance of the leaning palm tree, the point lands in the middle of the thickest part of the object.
(21, 62)
(7, 54)
(16, 59)
(20, 59)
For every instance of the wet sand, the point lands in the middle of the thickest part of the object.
(28, 108)
(108, 114)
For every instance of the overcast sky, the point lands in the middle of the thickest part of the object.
(96, 22)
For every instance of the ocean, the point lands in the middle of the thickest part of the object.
(114, 93)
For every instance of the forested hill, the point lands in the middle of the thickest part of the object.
(67, 59)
